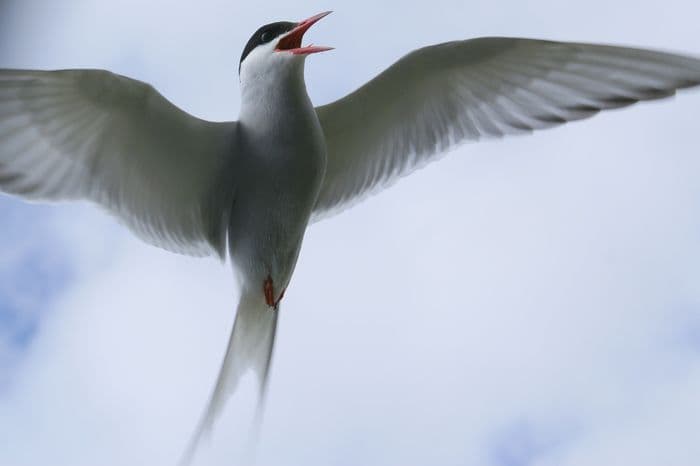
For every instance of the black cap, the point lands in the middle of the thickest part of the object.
(264, 35)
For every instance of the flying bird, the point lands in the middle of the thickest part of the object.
(247, 190)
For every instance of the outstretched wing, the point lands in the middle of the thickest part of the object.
(95, 135)
(439, 96)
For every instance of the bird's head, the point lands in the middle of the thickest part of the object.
(277, 46)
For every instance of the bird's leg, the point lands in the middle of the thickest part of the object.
(269, 292)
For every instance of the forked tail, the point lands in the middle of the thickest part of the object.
(249, 347)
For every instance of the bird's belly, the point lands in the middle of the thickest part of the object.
(268, 222)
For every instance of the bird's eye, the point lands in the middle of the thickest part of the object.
(267, 36)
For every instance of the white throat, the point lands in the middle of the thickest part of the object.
(272, 91)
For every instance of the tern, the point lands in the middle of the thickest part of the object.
(247, 190)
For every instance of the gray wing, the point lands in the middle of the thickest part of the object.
(439, 96)
(95, 135)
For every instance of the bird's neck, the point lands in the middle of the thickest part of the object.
(272, 100)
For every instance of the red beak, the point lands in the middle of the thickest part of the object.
(292, 41)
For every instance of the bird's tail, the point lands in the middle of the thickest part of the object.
(250, 347)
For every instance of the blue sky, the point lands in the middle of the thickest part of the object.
(532, 301)
(31, 274)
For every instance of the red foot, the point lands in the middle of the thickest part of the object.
(269, 291)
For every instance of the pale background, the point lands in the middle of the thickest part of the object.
(533, 301)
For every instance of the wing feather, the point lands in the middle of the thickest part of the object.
(440, 96)
(99, 136)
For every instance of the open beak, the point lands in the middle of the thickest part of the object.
(292, 41)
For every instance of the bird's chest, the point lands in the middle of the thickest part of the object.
(286, 150)
(287, 168)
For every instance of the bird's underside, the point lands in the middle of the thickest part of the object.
(173, 179)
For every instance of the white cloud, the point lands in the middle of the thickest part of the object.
(521, 302)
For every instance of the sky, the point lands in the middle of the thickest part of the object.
(530, 301)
